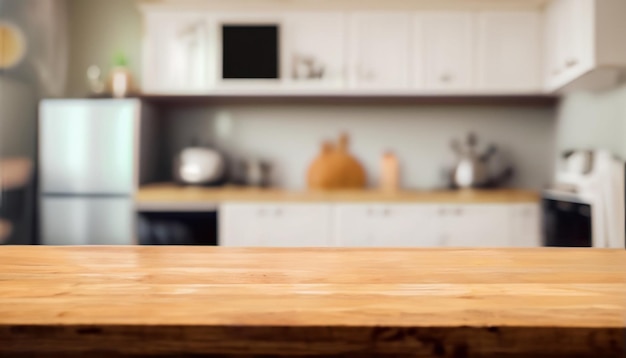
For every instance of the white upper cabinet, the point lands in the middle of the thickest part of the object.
(569, 40)
(379, 48)
(447, 50)
(386, 225)
(460, 49)
(554, 38)
(177, 53)
(509, 52)
(315, 45)
(584, 46)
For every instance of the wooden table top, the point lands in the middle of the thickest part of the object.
(170, 193)
(429, 302)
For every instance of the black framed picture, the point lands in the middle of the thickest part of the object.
(250, 51)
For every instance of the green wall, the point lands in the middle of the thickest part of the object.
(97, 31)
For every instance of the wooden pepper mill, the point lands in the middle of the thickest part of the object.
(336, 168)
(389, 172)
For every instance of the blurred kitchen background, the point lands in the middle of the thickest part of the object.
(313, 123)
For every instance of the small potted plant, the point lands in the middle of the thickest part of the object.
(120, 78)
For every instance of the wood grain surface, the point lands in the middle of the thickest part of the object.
(164, 193)
(107, 301)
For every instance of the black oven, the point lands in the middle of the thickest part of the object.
(177, 228)
(566, 223)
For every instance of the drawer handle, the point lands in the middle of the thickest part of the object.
(571, 62)
(365, 74)
(446, 78)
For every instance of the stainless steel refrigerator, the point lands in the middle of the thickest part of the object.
(88, 171)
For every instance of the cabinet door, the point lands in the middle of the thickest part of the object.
(509, 51)
(417, 62)
(570, 46)
(578, 33)
(526, 225)
(274, 225)
(448, 50)
(315, 45)
(554, 43)
(297, 225)
(241, 224)
(380, 50)
(379, 225)
(176, 53)
(480, 225)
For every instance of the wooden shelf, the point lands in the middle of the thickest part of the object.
(539, 100)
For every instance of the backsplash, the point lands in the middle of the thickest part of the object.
(289, 136)
(593, 120)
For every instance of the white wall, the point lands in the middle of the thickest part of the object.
(593, 121)
(289, 136)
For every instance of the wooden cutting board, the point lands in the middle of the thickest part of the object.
(336, 168)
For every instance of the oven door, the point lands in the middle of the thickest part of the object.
(566, 223)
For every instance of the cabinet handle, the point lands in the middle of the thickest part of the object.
(365, 74)
(386, 212)
(261, 212)
(446, 78)
(278, 212)
(571, 62)
(459, 211)
(442, 212)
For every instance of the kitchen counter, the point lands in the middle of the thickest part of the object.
(99, 301)
(164, 194)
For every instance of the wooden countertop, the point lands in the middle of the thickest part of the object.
(99, 301)
(170, 193)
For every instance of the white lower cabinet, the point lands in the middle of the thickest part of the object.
(275, 225)
(381, 225)
(476, 225)
(525, 225)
